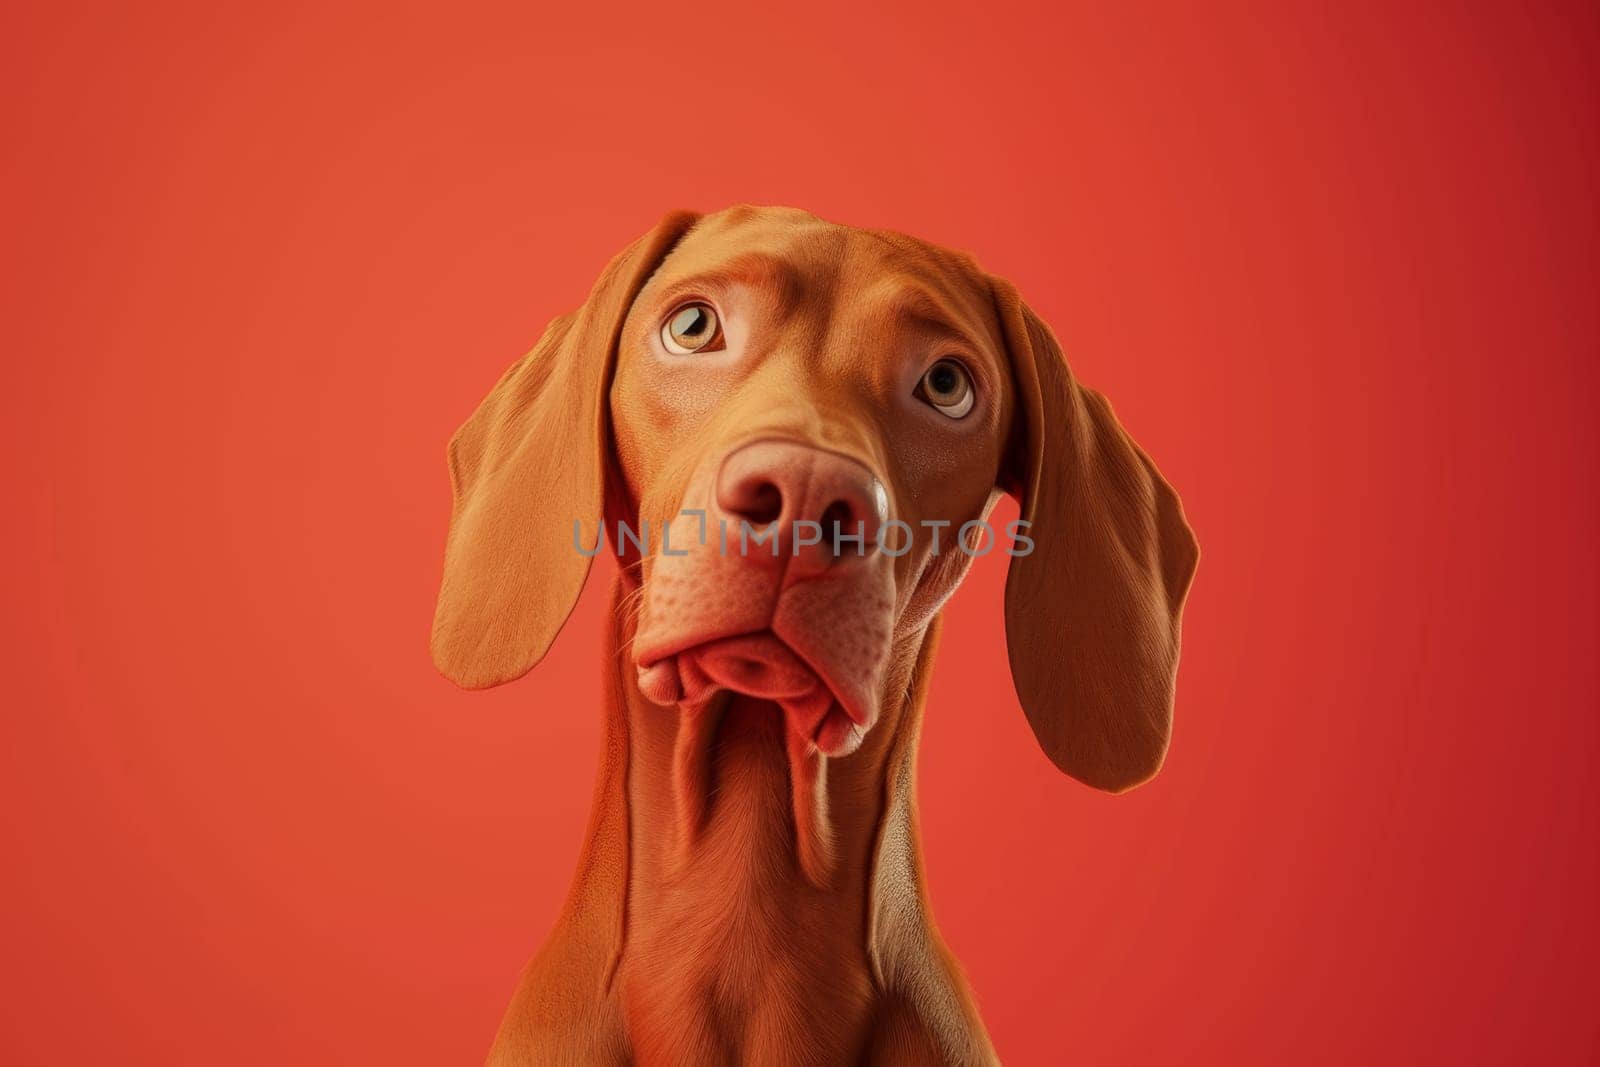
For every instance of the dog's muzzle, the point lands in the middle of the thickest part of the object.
(788, 599)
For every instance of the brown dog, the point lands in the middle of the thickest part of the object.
(751, 890)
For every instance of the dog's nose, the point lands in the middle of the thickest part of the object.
(827, 508)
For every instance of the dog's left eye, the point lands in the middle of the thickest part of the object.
(948, 388)
(690, 329)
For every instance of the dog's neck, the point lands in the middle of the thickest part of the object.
(783, 901)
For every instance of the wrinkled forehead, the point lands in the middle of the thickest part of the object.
(793, 261)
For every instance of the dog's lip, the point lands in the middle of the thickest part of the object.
(650, 656)
(841, 695)
(646, 655)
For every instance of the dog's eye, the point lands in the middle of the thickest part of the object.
(948, 388)
(690, 329)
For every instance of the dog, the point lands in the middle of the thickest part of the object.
(751, 889)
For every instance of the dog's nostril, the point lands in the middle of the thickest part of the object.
(839, 525)
(763, 503)
(753, 498)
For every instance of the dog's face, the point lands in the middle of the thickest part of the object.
(743, 389)
(778, 372)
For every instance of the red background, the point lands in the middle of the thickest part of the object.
(1337, 271)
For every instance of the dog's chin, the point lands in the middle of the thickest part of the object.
(762, 666)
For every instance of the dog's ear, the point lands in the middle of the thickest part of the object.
(524, 468)
(1092, 613)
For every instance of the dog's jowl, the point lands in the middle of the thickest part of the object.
(803, 428)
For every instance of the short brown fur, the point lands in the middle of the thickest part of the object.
(744, 896)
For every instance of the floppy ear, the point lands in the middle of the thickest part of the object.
(523, 468)
(1092, 614)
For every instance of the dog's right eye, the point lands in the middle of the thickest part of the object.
(947, 387)
(690, 329)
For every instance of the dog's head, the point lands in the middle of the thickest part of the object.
(804, 427)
